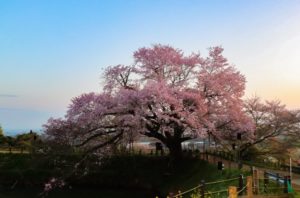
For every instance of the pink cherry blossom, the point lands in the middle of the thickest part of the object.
(164, 94)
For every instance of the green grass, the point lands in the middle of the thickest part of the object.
(75, 193)
(155, 175)
(198, 170)
(145, 176)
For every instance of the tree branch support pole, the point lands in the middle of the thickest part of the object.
(241, 184)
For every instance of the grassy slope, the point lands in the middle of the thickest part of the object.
(124, 174)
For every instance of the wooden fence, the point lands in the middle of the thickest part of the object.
(260, 183)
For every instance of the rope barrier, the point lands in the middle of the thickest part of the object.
(276, 187)
(242, 189)
(187, 191)
(220, 191)
(208, 183)
(210, 193)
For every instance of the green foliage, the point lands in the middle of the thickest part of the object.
(294, 195)
(1, 131)
(10, 142)
(27, 142)
(2, 137)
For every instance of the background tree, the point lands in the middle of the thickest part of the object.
(1, 131)
(275, 127)
(165, 95)
(2, 137)
(27, 141)
(10, 142)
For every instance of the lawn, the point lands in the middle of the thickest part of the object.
(126, 175)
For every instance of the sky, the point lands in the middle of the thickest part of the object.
(53, 50)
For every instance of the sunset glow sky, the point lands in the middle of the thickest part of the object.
(51, 51)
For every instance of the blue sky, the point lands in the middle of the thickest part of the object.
(51, 51)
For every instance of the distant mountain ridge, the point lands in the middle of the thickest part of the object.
(14, 132)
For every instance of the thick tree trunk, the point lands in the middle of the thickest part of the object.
(175, 150)
(173, 142)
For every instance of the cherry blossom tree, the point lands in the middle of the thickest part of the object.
(166, 95)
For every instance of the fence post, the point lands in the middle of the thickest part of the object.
(249, 187)
(241, 184)
(255, 181)
(220, 165)
(202, 188)
(266, 181)
(232, 192)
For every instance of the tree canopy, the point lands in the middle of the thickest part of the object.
(164, 94)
